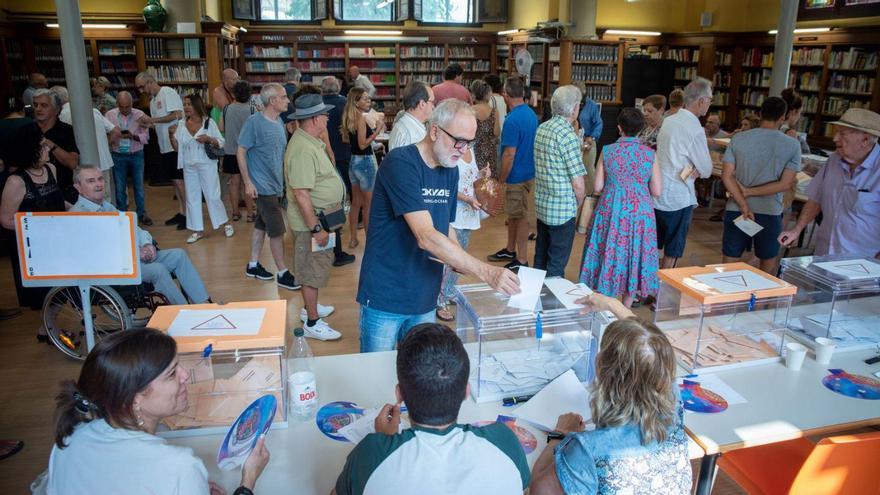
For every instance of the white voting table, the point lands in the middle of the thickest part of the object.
(782, 405)
(305, 461)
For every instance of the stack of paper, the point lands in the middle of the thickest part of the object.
(720, 346)
(563, 395)
(366, 424)
(844, 328)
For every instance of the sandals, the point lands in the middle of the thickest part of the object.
(195, 237)
(251, 217)
(443, 313)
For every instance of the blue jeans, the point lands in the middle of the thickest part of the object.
(450, 277)
(125, 164)
(381, 330)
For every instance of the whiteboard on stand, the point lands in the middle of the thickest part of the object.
(63, 249)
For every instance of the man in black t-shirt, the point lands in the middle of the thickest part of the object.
(59, 136)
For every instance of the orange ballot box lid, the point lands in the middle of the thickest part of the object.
(226, 327)
(725, 283)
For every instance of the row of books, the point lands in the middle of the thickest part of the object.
(854, 58)
(428, 78)
(835, 105)
(753, 97)
(172, 73)
(321, 65)
(601, 73)
(116, 49)
(721, 98)
(382, 78)
(851, 84)
(53, 53)
(422, 51)
(537, 53)
(118, 66)
(757, 78)
(191, 90)
(364, 52)
(602, 93)
(683, 54)
(811, 103)
(723, 58)
(804, 125)
(808, 56)
(280, 51)
(721, 80)
(805, 80)
(264, 66)
(388, 65)
(158, 48)
(594, 53)
(475, 66)
(323, 52)
(467, 52)
(411, 65)
(120, 82)
(686, 73)
(754, 57)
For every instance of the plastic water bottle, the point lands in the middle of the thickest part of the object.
(302, 385)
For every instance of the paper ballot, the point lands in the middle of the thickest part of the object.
(736, 281)
(750, 227)
(366, 424)
(531, 281)
(567, 292)
(563, 395)
(217, 322)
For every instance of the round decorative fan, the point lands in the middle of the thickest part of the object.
(524, 62)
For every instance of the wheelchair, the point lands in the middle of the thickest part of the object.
(113, 308)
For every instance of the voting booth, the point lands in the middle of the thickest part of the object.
(234, 354)
(515, 351)
(77, 253)
(838, 298)
(721, 316)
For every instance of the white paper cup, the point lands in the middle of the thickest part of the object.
(824, 350)
(794, 355)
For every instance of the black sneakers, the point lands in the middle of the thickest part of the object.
(344, 259)
(514, 265)
(176, 220)
(503, 255)
(258, 272)
(287, 281)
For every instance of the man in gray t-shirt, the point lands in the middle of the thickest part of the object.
(260, 155)
(759, 166)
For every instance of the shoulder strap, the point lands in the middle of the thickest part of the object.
(207, 123)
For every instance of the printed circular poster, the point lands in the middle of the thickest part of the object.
(335, 415)
(245, 431)
(526, 439)
(855, 386)
(702, 400)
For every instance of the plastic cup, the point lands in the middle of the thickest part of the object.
(824, 350)
(794, 355)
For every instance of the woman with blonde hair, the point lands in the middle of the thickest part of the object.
(639, 444)
(362, 166)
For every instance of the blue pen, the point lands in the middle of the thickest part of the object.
(539, 330)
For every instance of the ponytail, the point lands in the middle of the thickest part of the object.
(71, 409)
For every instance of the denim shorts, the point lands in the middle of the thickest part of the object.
(766, 244)
(672, 230)
(381, 330)
(362, 171)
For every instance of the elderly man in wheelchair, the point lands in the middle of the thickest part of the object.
(118, 308)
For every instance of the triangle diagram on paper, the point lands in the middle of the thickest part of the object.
(737, 280)
(854, 267)
(218, 322)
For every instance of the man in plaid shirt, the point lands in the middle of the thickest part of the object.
(559, 177)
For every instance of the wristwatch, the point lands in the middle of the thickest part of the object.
(317, 228)
(242, 490)
(555, 435)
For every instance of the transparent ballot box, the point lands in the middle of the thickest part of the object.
(234, 354)
(838, 298)
(721, 316)
(507, 358)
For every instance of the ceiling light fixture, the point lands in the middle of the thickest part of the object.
(373, 33)
(509, 31)
(92, 26)
(805, 30)
(242, 29)
(633, 33)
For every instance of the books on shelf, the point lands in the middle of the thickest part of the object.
(602, 93)
(686, 73)
(191, 90)
(371, 52)
(420, 65)
(597, 73)
(51, 52)
(537, 53)
(375, 65)
(758, 79)
(754, 57)
(553, 54)
(594, 53)
(811, 103)
(720, 98)
(116, 49)
(721, 80)
(382, 78)
(805, 80)
(683, 54)
(462, 52)
(835, 105)
(168, 74)
(321, 65)
(118, 67)
(723, 58)
(845, 83)
(854, 58)
(805, 126)
(422, 51)
(279, 51)
(264, 66)
(425, 77)
(753, 97)
(808, 56)
(475, 65)
(322, 52)
(159, 48)
(650, 51)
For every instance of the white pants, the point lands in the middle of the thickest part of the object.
(201, 178)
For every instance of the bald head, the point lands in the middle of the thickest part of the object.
(123, 102)
(230, 77)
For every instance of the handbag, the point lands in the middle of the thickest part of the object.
(332, 218)
(213, 152)
(489, 191)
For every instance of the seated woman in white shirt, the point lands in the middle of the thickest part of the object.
(639, 444)
(200, 173)
(105, 425)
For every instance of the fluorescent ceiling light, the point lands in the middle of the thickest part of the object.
(242, 29)
(805, 30)
(633, 33)
(92, 26)
(373, 33)
(509, 31)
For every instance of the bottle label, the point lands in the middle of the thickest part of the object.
(304, 394)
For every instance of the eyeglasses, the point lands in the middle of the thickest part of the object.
(460, 144)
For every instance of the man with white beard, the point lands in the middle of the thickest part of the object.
(409, 239)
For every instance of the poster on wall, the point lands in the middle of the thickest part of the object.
(818, 10)
(492, 11)
(244, 9)
(818, 4)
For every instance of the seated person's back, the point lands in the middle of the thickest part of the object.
(436, 455)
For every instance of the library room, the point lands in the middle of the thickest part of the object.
(544, 247)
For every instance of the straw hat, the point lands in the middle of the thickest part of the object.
(862, 120)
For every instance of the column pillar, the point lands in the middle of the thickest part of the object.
(782, 50)
(583, 18)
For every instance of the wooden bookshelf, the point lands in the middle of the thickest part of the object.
(188, 63)
(687, 60)
(723, 79)
(117, 61)
(595, 63)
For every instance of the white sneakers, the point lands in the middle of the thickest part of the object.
(321, 331)
(228, 230)
(323, 312)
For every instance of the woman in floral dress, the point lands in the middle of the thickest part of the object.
(621, 257)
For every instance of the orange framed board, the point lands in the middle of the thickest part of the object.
(60, 249)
